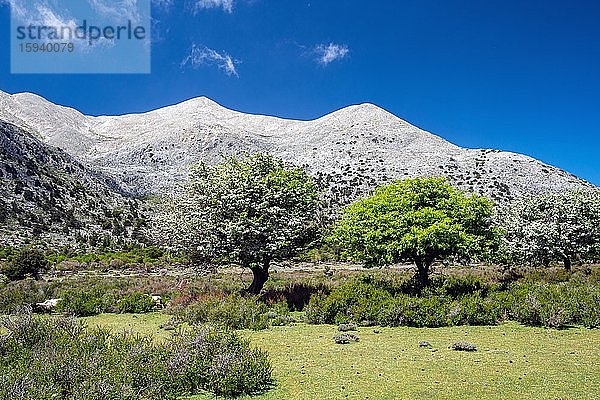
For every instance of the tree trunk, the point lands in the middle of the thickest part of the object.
(567, 263)
(260, 275)
(423, 266)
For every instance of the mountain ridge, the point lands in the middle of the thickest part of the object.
(47, 195)
(350, 150)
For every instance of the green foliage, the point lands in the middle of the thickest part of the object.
(461, 301)
(354, 301)
(16, 294)
(221, 362)
(83, 303)
(234, 311)
(49, 358)
(87, 295)
(556, 305)
(27, 262)
(420, 220)
(249, 210)
(135, 303)
(430, 311)
(456, 286)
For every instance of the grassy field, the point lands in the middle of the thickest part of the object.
(512, 361)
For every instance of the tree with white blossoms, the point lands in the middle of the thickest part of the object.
(250, 210)
(553, 228)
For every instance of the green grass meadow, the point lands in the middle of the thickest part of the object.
(512, 361)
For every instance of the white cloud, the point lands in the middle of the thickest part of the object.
(327, 54)
(40, 13)
(226, 5)
(163, 3)
(117, 9)
(202, 55)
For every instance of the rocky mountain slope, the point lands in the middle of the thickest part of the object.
(45, 194)
(351, 150)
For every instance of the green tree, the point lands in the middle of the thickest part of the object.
(419, 220)
(250, 210)
(27, 261)
(561, 227)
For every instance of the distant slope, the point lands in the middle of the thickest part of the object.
(351, 151)
(47, 195)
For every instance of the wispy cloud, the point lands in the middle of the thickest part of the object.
(226, 5)
(116, 9)
(42, 13)
(163, 3)
(326, 54)
(204, 56)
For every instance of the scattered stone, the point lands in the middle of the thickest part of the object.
(424, 344)
(376, 331)
(345, 338)
(464, 346)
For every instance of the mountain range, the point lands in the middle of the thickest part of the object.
(117, 160)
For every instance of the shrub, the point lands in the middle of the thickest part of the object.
(58, 358)
(135, 303)
(540, 305)
(428, 312)
(457, 286)
(461, 301)
(83, 303)
(23, 293)
(345, 338)
(351, 301)
(315, 309)
(27, 262)
(234, 311)
(220, 361)
(464, 346)
(473, 309)
(586, 299)
(279, 314)
(347, 327)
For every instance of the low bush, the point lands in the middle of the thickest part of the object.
(135, 303)
(461, 301)
(464, 346)
(474, 309)
(352, 301)
(58, 358)
(456, 286)
(234, 311)
(23, 293)
(27, 262)
(220, 361)
(83, 303)
(555, 305)
(345, 338)
(347, 327)
(407, 310)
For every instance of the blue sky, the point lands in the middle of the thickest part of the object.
(522, 76)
